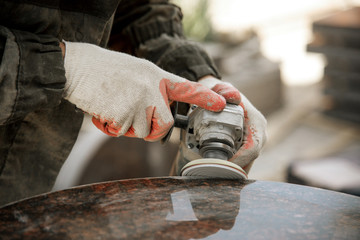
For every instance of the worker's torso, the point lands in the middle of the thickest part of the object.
(72, 20)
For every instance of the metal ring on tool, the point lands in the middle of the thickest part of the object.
(216, 150)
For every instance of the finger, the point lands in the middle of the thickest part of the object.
(105, 127)
(229, 92)
(245, 111)
(159, 126)
(248, 167)
(130, 132)
(249, 150)
(245, 158)
(141, 125)
(193, 93)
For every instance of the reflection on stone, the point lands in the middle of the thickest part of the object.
(182, 210)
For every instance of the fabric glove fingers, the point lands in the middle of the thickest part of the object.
(254, 136)
(127, 95)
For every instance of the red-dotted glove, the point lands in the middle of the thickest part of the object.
(254, 125)
(127, 95)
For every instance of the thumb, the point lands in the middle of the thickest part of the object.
(228, 91)
(194, 93)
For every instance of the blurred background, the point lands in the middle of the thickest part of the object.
(297, 61)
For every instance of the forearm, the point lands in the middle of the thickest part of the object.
(154, 32)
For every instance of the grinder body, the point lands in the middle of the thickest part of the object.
(215, 136)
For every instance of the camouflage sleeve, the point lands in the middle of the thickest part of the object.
(32, 74)
(153, 30)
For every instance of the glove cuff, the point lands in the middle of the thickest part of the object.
(78, 64)
(69, 66)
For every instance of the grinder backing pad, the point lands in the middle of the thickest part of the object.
(213, 168)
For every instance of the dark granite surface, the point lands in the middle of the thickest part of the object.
(184, 208)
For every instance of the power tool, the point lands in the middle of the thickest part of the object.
(215, 136)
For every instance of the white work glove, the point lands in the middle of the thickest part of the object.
(254, 128)
(127, 95)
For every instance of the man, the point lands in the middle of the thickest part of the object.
(54, 66)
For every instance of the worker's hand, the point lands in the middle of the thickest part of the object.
(127, 95)
(254, 125)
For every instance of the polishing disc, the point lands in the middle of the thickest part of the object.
(213, 168)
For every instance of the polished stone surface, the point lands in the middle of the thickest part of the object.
(184, 208)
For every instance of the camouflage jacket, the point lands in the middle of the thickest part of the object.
(37, 126)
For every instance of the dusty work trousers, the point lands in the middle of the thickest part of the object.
(33, 150)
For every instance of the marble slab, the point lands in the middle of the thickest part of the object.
(184, 208)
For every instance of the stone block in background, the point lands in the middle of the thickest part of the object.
(341, 94)
(339, 172)
(338, 38)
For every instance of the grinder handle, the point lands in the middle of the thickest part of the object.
(180, 121)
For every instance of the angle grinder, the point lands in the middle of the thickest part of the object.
(215, 136)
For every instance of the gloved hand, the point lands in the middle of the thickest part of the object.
(254, 128)
(127, 95)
